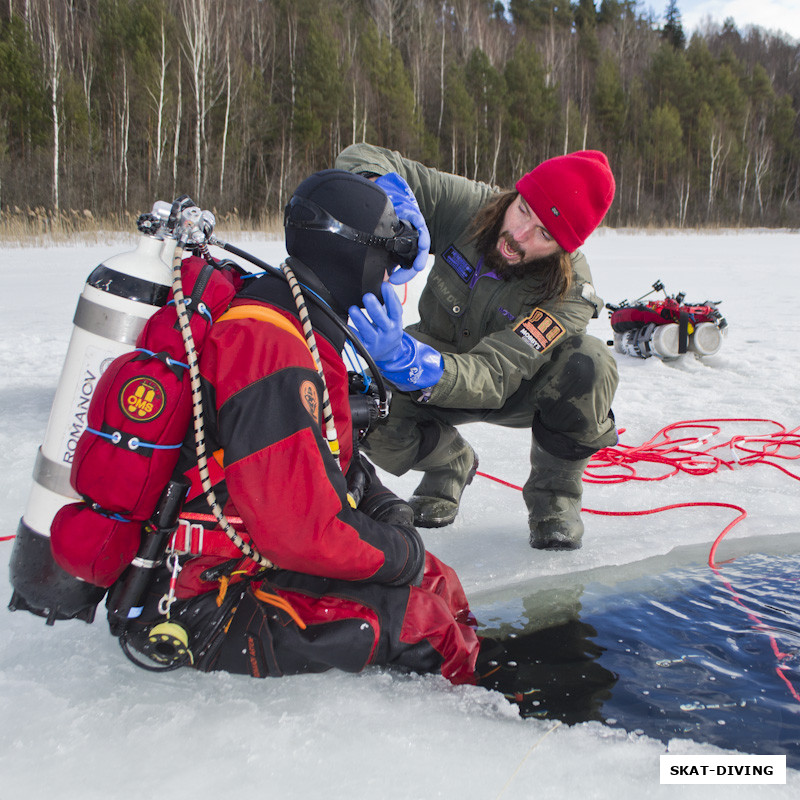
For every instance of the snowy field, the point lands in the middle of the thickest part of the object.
(77, 720)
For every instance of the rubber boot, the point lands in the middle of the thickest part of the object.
(553, 495)
(448, 469)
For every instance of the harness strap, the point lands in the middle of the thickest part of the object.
(193, 539)
(216, 473)
(683, 331)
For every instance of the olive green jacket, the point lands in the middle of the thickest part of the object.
(493, 334)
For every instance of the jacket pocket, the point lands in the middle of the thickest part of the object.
(441, 307)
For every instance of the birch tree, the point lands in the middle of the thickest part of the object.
(48, 24)
(228, 89)
(718, 148)
(157, 96)
(194, 15)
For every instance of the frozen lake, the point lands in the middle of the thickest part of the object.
(79, 721)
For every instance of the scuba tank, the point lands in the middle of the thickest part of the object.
(118, 298)
(666, 328)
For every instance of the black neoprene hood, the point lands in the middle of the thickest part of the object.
(348, 269)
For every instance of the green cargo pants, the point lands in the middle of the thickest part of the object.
(567, 405)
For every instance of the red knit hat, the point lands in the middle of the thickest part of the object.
(570, 195)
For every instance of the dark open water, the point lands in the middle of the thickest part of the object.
(686, 653)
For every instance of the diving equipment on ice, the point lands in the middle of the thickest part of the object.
(666, 328)
(117, 299)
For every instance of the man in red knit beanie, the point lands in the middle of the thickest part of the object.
(501, 337)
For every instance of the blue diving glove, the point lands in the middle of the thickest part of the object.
(406, 207)
(406, 362)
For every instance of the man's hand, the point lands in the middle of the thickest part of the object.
(406, 207)
(406, 362)
(382, 336)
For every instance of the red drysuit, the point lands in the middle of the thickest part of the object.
(343, 595)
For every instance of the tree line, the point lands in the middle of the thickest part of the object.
(108, 105)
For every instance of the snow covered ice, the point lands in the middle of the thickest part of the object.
(80, 721)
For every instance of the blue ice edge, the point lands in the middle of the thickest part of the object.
(777, 544)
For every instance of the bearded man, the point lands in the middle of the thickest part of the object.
(502, 333)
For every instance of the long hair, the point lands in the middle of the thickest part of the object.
(485, 230)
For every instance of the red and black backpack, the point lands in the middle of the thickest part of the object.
(137, 421)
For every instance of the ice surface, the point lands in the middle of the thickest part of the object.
(77, 720)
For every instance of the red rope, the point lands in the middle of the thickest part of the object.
(685, 454)
(499, 480)
(690, 455)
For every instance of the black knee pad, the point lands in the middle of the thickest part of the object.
(560, 444)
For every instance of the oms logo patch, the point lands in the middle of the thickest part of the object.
(310, 398)
(540, 330)
(142, 398)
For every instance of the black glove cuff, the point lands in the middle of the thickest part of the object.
(385, 506)
(415, 567)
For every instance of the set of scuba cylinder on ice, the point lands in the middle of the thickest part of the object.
(105, 505)
(666, 328)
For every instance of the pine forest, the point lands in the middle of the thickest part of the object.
(109, 105)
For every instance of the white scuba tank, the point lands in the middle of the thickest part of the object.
(118, 298)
